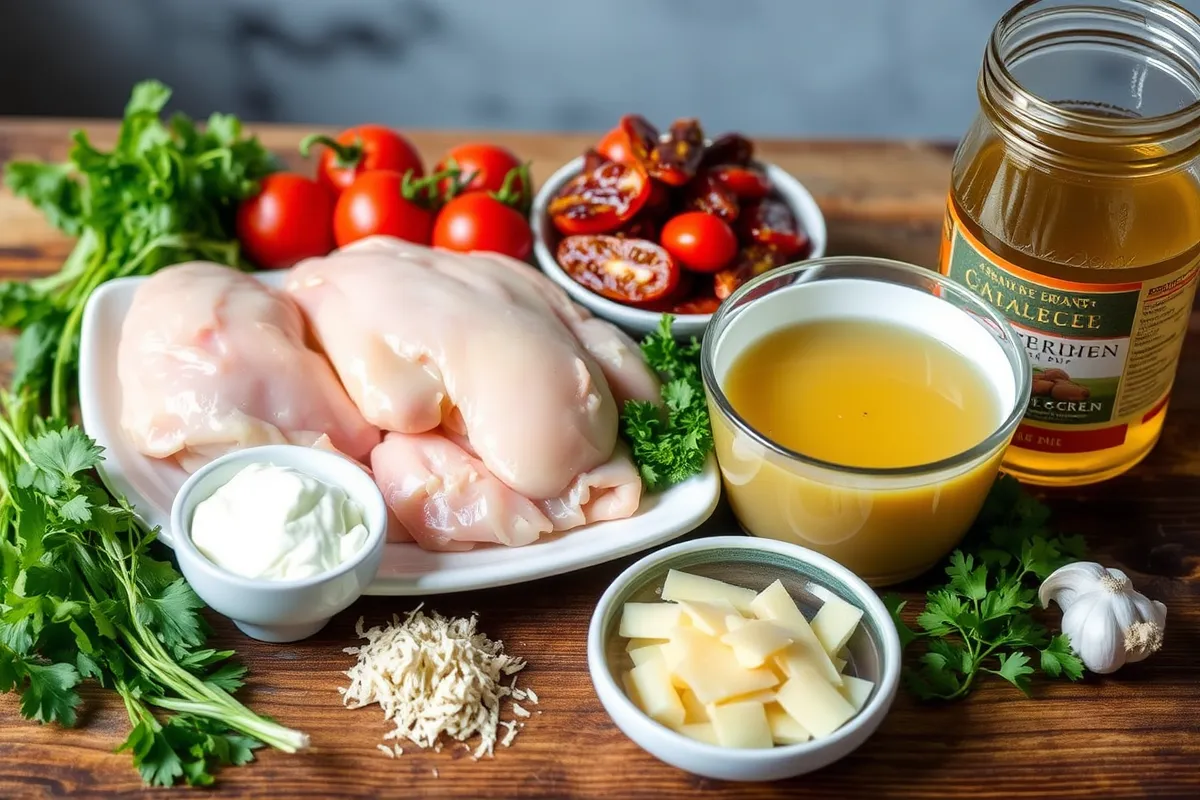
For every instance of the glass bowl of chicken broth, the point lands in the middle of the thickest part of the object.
(860, 407)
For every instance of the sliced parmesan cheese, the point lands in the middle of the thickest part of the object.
(776, 605)
(857, 691)
(631, 690)
(694, 711)
(726, 665)
(708, 617)
(761, 696)
(659, 699)
(710, 669)
(638, 643)
(784, 728)
(433, 676)
(685, 586)
(835, 623)
(644, 654)
(700, 731)
(814, 703)
(649, 620)
(742, 725)
(756, 641)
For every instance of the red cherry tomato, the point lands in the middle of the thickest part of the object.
(483, 166)
(601, 200)
(363, 149)
(478, 221)
(701, 242)
(771, 222)
(615, 146)
(749, 183)
(288, 220)
(626, 270)
(378, 203)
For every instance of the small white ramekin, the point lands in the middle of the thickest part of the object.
(281, 610)
(753, 563)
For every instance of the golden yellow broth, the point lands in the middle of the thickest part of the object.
(863, 394)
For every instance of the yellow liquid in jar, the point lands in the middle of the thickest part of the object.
(862, 395)
(1087, 229)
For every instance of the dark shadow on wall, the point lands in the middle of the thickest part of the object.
(56, 61)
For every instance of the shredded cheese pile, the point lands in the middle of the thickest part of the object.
(433, 675)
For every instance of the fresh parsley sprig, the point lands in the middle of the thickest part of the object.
(981, 621)
(671, 441)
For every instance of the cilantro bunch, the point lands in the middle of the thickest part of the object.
(671, 442)
(81, 595)
(981, 620)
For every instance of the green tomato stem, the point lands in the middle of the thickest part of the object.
(345, 156)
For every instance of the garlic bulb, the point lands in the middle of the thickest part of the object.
(1108, 623)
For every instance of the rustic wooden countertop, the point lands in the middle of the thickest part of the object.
(1136, 734)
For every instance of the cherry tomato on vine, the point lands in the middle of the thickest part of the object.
(482, 166)
(701, 242)
(626, 270)
(478, 221)
(365, 148)
(382, 203)
(287, 221)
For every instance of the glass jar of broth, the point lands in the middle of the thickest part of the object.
(1075, 211)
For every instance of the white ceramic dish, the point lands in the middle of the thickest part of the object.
(635, 320)
(271, 610)
(809, 577)
(151, 486)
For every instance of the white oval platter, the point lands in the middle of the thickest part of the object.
(150, 485)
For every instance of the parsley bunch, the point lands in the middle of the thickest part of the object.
(981, 620)
(84, 598)
(81, 595)
(670, 442)
(167, 192)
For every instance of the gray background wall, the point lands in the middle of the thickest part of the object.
(869, 68)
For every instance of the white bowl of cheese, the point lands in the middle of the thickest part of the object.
(743, 659)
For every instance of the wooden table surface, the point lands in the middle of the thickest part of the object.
(1135, 734)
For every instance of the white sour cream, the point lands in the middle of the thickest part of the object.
(276, 523)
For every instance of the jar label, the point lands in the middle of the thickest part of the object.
(1103, 355)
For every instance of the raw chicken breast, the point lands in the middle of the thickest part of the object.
(210, 360)
(444, 497)
(619, 357)
(423, 337)
(496, 386)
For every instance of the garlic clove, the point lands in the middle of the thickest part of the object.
(1095, 634)
(1066, 583)
(1145, 636)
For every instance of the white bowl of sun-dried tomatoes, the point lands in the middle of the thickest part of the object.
(648, 223)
